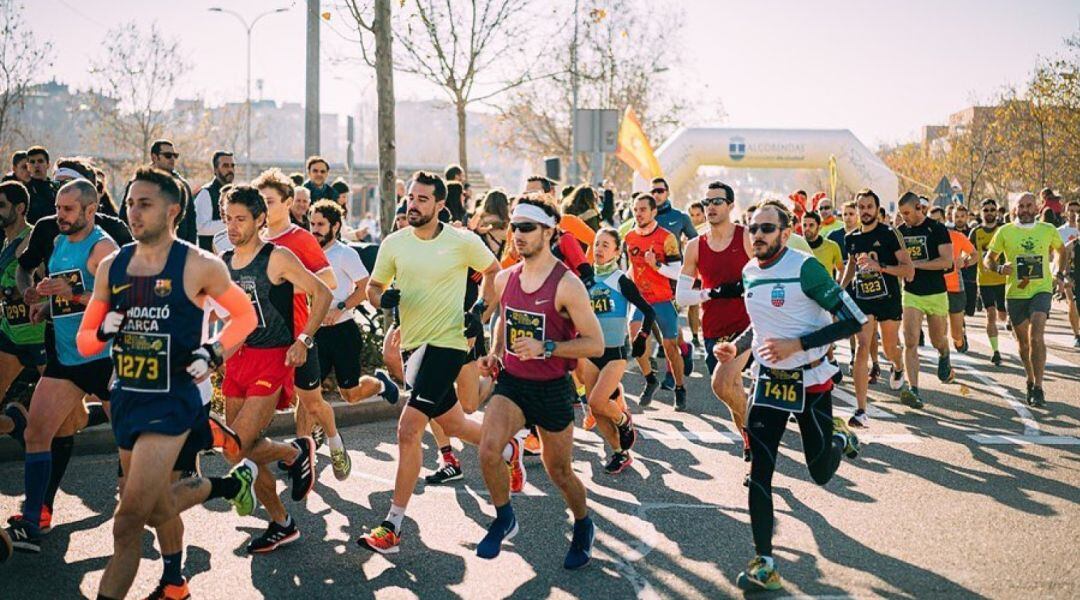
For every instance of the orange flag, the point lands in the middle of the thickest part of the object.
(634, 148)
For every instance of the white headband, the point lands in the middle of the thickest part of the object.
(527, 212)
(69, 173)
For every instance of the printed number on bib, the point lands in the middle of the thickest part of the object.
(64, 306)
(870, 286)
(601, 301)
(142, 361)
(1029, 266)
(917, 247)
(249, 286)
(523, 324)
(16, 313)
(781, 389)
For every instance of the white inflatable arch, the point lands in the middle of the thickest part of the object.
(857, 167)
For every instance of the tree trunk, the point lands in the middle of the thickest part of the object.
(463, 158)
(384, 85)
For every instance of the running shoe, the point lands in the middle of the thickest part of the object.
(647, 393)
(627, 432)
(618, 462)
(169, 591)
(44, 523)
(24, 536)
(517, 468)
(318, 436)
(896, 378)
(498, 532)
(851, 441)
(859, 419)
(6, 549)
(911, 398)
(875, 372)
(680, 399)
(18, 415)
(996, 359)
(224, 437)
(838, 376)
(1027, 397)
(687, 352)
(390, 391)
(1076, 343)
(945, 372)
(964, 346)
(532, 444)
(669, 381)
(580, 552)
(302, 470)
(274, 537)
(759, 575)
(589, 421)
(382, 539)
(342, 463)
(1038, 397)
(449, 472)
(245, 502)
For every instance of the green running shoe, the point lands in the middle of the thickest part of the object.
(910, 397)
(245, 501)
(851, 441)
(759, 575)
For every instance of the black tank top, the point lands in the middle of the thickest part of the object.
(273, 303)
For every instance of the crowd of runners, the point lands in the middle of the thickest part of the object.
(529, 305)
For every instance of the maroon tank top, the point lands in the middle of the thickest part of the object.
(722, 317)
(534, 315)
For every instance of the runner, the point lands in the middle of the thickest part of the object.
(1069, 232)
(655, 259)
(261, 371)
(876, 260)
(428, 263)
(963, 256)
(611, 296)
(153, 319)
(538, 348)
(792, 303)
(1026, 247)
(68, 376)
(682, 227)
(991, 283)
(928, 243)
(718, 257)
(22, 343)
(826, 251)
(969, 274)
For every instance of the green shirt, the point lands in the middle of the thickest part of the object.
(431, 275)
(15, 323)
(1028, 250)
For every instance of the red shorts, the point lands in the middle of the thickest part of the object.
(254, 372)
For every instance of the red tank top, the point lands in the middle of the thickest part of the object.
(722, 317)
(534, 315)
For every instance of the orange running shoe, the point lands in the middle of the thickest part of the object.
(382, 539)
(168, 591)
(224, 437)
(44, 523)
(532, 444)
(517, 468)
(589, 421)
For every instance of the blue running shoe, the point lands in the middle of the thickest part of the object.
(580, 552)
(498, 532)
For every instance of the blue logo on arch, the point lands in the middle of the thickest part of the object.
(737, 148)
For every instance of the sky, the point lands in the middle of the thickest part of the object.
(880, 68)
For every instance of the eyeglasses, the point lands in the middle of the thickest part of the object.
(524, 227)
(659, 191)
(715, 201)
(825, 208)
(765, 228)
(170, 155)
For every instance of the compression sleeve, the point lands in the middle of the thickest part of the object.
(686, 295)
(671, 270)
(86, 340)
(633, 296)
(242, 319)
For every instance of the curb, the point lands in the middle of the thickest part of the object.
(99, 439)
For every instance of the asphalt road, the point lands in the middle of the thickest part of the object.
(976, 495)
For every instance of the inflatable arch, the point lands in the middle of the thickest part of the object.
(857, 167)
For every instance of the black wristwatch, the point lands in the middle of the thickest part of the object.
(341, 305)
(549, 348)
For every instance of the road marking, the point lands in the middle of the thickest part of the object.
(1008, 346)
(850, 400)
(966, 363)
(1025, 440)
(725, 437)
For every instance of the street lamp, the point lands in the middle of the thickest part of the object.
(248, 28)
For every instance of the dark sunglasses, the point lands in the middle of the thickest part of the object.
(989, 210)
(659, 191)
(171, 155)
(716, 201)
(765, 228)
(524, 227)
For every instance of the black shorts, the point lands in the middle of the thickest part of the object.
(882, 309)
(993, 296)
(710, 359)
(92, 377)
(339, 347)
(30, 356)
(308, 376)
(433, 388)
(199, 438)
(957, 302)
(1020, 310)
(971, 291)
(610, 353)
(548, 405)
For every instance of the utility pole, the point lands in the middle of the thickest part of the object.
(384, 86)
(572, 168)
(311, 97)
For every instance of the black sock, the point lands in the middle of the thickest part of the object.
(223, 487)
(680, 387)
(61, 455)
(97, 414)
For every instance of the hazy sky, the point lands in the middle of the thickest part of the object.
(880, 68)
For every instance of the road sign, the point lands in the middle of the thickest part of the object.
(596, 130)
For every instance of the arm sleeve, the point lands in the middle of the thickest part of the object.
(817, 284)
(571, 251)
(686, 295)
(86, 340)
(633, 296)
(242, 319)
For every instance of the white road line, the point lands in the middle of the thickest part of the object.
(1009, 348)
(724, 437)
(850, 400)
(1025, 440)
(969, 366)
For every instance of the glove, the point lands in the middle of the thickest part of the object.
(390, 298)
(473, 326)
(727, 290)
(478, 310)
(586, 274)
(637, 348)
(202, 359)
(110, 325)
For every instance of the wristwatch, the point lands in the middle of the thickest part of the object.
(341, 305)
(549, 348)
(306, 340)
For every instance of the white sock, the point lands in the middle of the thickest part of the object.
(508, 452)
(396, 514)
(335, 442)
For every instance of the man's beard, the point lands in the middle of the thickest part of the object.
(771, 250)
(420, 220)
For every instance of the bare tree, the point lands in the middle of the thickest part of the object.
(136, 79)
(22, 59)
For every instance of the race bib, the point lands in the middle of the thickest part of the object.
(601, 301)
(523, 324)
(64, 306)
(781, 389)
(870, 286)
(250, 288)
(917, 247)
(1029, 266)
(142, 361)
(16, 312)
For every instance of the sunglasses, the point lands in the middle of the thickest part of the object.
(824, 208)
(524, 227)
(171, 155)
(715, 201)
(659, 191)
(765, 228)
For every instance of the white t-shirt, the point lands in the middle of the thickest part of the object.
(1068, 233)
(348, 269)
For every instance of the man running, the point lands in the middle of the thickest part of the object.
(796, 311)
(876, 261)
(991, 283)
(261, 371)
(930, 248)
(1070, 232)
(147, 302)
(22, 343)
(655, 259)
(826, 251)
(1026, 247)
(543, 307)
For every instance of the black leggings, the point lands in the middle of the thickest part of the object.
(823, 453)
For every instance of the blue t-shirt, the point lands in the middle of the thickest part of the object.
(68, 260)
(676, 221)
